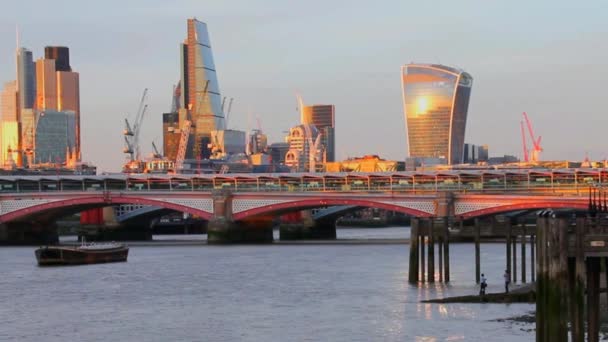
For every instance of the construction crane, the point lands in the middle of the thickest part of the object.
(534, 155)
(227, 115)
(131, 132)
(156, 154)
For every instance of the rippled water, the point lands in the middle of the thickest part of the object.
(253, 293)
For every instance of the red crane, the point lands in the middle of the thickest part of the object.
(536, 148)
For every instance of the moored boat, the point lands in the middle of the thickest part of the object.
(83, 254)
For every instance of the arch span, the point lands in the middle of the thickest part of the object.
(96, 202)
(327, 202)
(575, 205)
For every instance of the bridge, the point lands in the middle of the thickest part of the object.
(237, 198)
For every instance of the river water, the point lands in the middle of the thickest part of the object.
(254, 293)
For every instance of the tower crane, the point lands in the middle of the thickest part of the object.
(131, 132)
(534, 155)
(156, 154)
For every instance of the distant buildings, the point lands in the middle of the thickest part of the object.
(475, 154)
(305, 149)
(40, 111)
(435, 101)
(322, 117)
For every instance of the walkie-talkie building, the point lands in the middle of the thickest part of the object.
(435, 102)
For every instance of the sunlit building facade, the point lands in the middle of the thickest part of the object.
(200, 91)
(323, 117)
(435, 101)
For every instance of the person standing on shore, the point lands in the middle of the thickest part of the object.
(482, 285)
(507, 277)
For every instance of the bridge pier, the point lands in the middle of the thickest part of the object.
(424, 234)
(28, 233)
(222, 229)
(301, 226)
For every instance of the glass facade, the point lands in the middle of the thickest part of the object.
(200, 91)
(26, 78)
(435, 100)
(55, 136)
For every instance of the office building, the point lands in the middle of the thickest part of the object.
(9, 125)
(26, 79)
(54, 137)
(323, 117)
(305, 149)
(200, 94)
(277, 152)
(435, 101)
(61, 56)
(58, 87)
(171, 135)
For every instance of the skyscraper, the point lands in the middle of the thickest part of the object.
(435, 102)
(9, 124)
(58, 87)
(200, 92)
(61, 55)
(323, 117)
(26, 78)
(54, 137)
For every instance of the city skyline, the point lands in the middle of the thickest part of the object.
(514, 70)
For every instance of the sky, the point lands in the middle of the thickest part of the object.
(548, 58)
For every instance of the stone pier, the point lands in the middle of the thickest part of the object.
(221, 229)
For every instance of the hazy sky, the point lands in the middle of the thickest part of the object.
(549, 58)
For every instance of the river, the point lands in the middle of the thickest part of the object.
(254, 293)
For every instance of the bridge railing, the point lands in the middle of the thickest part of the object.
(412, 188)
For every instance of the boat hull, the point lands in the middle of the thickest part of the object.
(49, 256)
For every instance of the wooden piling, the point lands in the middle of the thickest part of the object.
(440, 256)
(533, 255)
(593, 308)
(541, 299)
(523, 253)
(514, 264)
(576, 280)
(477, 252)
(446, 252)
(414, 257)
(422, 253)
(508, 245)
(431, 252)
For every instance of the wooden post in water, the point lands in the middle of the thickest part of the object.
(508, 245)
(422, 228)
(440, 255)
(533, 255)
(541, 318)
(446, 252)
(523, 252)
(514, 245)
(593, 298)
(431, 259)
(414, 257)
(576, 280)
(477, 256)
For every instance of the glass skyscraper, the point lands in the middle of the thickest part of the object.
(200, 91)
(435, 101)
(26, 78)
(55, 136)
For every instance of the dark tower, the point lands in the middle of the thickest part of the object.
(61, 55)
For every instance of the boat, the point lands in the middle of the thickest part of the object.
(92, 253)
